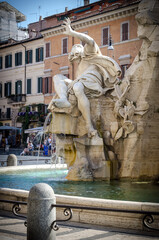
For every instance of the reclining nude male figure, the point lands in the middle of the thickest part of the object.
(89, 76)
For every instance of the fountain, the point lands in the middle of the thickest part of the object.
(110, 126)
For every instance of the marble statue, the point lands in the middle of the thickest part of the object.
(95, 75)
(106, 127)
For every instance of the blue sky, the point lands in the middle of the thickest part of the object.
(32, 9)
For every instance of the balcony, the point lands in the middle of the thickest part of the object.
(17, 99)
(5, 116)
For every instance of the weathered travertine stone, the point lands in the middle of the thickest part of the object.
(12, 160)
(125, 116)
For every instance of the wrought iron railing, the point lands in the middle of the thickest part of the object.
(147, 219)
(5, 116)
(16, 208)
(16, 98)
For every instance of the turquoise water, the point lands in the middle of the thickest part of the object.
(117, 190)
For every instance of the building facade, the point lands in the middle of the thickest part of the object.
(21, 78)
(9, 19)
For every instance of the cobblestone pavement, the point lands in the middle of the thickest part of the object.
(13, 229)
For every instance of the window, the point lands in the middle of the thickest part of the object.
(0, 90)
(8, 89)
(18, 90)
(18, 58)
(105, 36)
(47, 85)
(64, 46)
(124, 31)
(47, 49)
(29, 86)
(40, 85)
(1, 62)
(8, 61)
(123, 69)
(28, 56)
(18, 87)
(39, 54)
(8, 113)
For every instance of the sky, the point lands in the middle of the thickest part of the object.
(32, 9)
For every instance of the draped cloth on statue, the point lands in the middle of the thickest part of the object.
(99, 79)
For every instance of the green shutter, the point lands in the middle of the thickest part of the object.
(37, 55)
(26, 60)
(16, 88)
(0, 89)
(38, 86)
(10, 60)
(28, 86)
(1, 62)
(20, 83)
(16, 59)
(6, 61)
(20, 58)
(41, 54)
(10, 88)
(8, 112)
(5, 90)
(30, 56)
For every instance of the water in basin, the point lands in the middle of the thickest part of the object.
(117, 190)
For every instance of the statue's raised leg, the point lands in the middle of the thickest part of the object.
(61, 90)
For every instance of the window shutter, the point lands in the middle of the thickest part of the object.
(26, 58)
(28, 86)
(43, 85)
(105, 36)
(16, 58)
(64, 45)
(20, 83)
(10, 60)
(16, 88)
(47, 49)
(50, 84)
(30, 56)
(124, 31)
(37, 55)
(5, 89)
(38, 85)
(5, 61)
(20, 58)
(0, 89)
(1, 62)
(38, 90)
(41, 54)
(46, 85)
(10, 88)
(8, 112)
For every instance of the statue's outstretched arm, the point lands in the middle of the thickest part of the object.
(83, 37)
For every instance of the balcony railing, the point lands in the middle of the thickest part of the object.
(17, 98)
(5, 116)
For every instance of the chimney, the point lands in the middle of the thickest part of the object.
(66, 9)
(86, 2)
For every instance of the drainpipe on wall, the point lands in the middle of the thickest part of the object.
(24, 69)
(73, 42)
